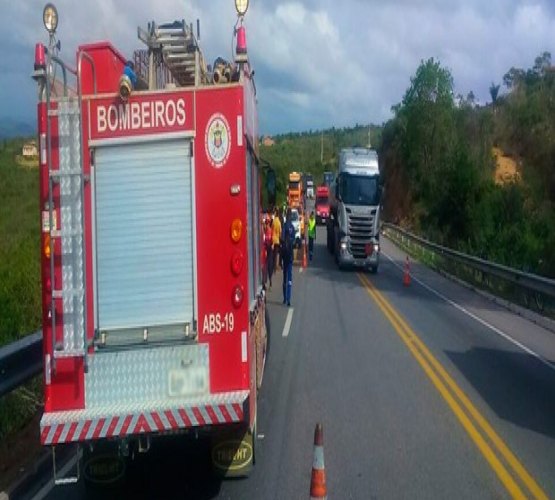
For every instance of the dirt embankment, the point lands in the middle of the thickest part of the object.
(506, 168)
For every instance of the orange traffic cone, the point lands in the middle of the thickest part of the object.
(304, 255)
(318, 490)
(406, 273)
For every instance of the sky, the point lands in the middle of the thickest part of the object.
(318, 63)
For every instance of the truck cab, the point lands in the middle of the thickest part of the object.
(353, 227)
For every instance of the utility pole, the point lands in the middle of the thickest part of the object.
(369, 141)
(322, 147)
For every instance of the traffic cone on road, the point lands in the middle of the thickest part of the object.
(304, 255)
(406, 273)
(318, 490)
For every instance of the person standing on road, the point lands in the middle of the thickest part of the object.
(276, 235)
(269, 246)
(287, 242)
(311, 234)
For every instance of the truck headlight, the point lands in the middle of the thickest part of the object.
(343, 245)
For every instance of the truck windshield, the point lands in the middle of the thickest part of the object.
(359, 189)
(294, 185)
(321, 200)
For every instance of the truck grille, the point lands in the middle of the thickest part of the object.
(361, 230)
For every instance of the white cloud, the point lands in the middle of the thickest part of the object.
(317, 64)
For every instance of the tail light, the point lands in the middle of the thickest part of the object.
(236, 262)
(237, 296)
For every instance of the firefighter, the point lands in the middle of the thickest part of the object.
(287, 242)
(311, 234)
(276, 235)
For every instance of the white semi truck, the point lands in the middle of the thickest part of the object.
(353, 227)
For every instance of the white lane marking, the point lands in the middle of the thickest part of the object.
(301, 270)
(287, 325)
(483, 322)
(49, 486)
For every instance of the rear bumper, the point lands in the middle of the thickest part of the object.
(127, 420)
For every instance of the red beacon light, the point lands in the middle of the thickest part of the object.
(40, 58)
(241, 49)
(241, 40)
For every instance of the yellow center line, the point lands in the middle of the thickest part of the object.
(428, 362)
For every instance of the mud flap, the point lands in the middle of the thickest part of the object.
(104, 468)
(232, 453)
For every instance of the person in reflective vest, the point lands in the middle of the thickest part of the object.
(276, 235)
(311, 234)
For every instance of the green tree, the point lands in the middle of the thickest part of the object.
(494, 92)
(426, 117)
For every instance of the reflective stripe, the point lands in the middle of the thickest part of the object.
(318, 462)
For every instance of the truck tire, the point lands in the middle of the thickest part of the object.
(265, 350)
(374, 269)
(330, 241)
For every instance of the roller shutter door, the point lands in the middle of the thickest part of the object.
(144, 235)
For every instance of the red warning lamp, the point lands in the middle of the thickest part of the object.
(40, 59)
(241, 40)
(236, 262)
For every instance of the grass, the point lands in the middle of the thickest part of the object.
(20, 293)
(20, 289)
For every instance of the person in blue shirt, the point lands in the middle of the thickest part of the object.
(287, 242)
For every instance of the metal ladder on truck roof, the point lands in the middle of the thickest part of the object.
(71, 179)
(179, 50)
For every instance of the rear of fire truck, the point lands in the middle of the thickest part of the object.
(154, 317)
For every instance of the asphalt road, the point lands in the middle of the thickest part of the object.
(419, 397)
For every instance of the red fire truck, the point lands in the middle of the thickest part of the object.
(154, 317)
(322, 204)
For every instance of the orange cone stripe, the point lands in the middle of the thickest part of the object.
(318, 484)
(318, 478)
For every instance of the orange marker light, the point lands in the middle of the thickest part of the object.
(47, 246)
(236, 230)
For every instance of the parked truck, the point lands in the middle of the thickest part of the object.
(322, 204)
(309, 186)
(153, 310)
(328, 178)
(295, 191)
(353, 228)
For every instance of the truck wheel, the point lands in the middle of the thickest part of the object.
(263, 358)
(329, 239)
(374, 269)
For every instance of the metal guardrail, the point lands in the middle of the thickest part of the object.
(20, 361)
(539, 286)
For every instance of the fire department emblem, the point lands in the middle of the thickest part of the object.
(217, 140)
